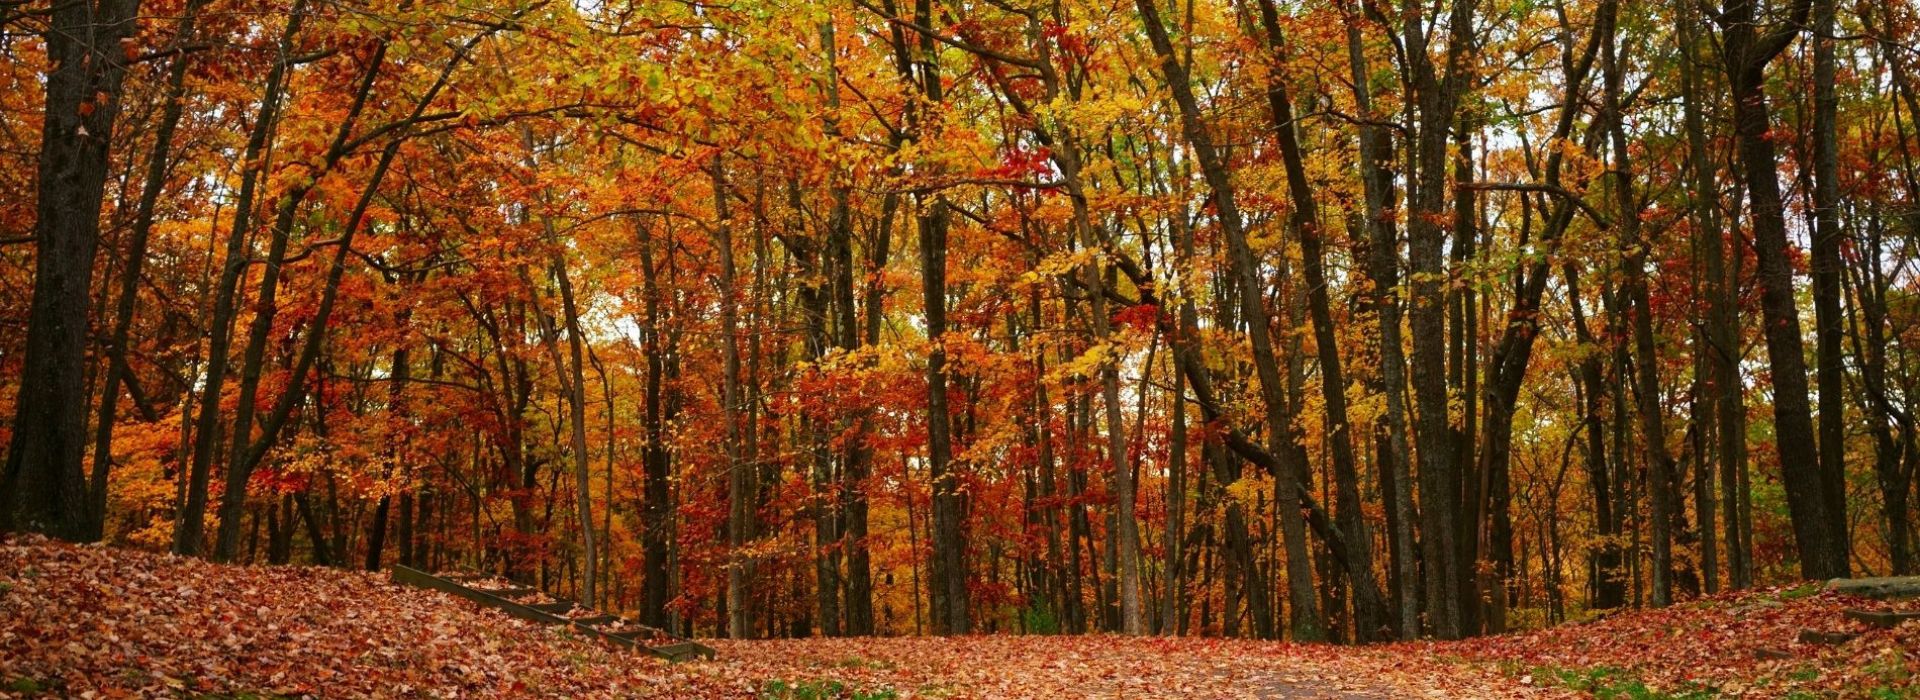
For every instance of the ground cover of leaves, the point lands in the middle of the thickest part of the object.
(1743, 645)
(88, 621)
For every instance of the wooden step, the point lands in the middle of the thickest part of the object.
(643, 632)
(1809, 636)
(506, 592)
(551, 613)
(1882, 618)
(683, 651)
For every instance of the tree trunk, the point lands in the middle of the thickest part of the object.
(1608, 580)
(1283, 442)
(44, 488)
(1370, 616)
(1819, 530)
(740, 476)
(1711, 362)
(1828, 324)
(159, 163)
(1434, 102)
(1382, 265)
(1646, 368)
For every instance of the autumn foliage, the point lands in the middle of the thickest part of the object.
(1338, 320)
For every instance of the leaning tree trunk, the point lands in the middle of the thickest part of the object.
(1307, 624)
(189, 531)
(1370, 615)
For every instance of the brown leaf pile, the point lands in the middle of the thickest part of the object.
(1733, 645)
(87, 621)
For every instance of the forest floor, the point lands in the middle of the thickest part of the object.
(88, 621)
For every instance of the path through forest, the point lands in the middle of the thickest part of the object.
(1040, 666)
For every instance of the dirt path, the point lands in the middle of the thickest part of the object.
(1099, 666)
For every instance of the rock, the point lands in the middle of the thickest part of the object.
(1878, 587)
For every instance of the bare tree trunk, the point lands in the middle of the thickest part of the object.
(1819, 531)
(857, 456)
(1828, 324)
(1653, 438)
(1711, 360)
(740, 477)
(949, 577)
(1608, 580)
(189, 532)
(45, 483)
(1434, 102)
(397, 377)
(1383, 257)
(576, 391)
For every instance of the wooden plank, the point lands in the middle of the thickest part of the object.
(514, 592)
(600, 619)
(555, 608)
(643, 631)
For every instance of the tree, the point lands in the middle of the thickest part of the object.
(45, 484)
(1819, 530)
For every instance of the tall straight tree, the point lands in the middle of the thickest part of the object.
(1374, 158)
(44, 487)
(1819, 530)
(1433, 102)
(949, 584)
(1828, 322)
(1720, 331)
(1646, 369)
(740, 473)
(1710, 362)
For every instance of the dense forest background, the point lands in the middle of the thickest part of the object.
(1336, 319)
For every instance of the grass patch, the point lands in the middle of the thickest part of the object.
(821, 690)
(1805, 590)
(1608, 683)
(857, 662)
(24, 684)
